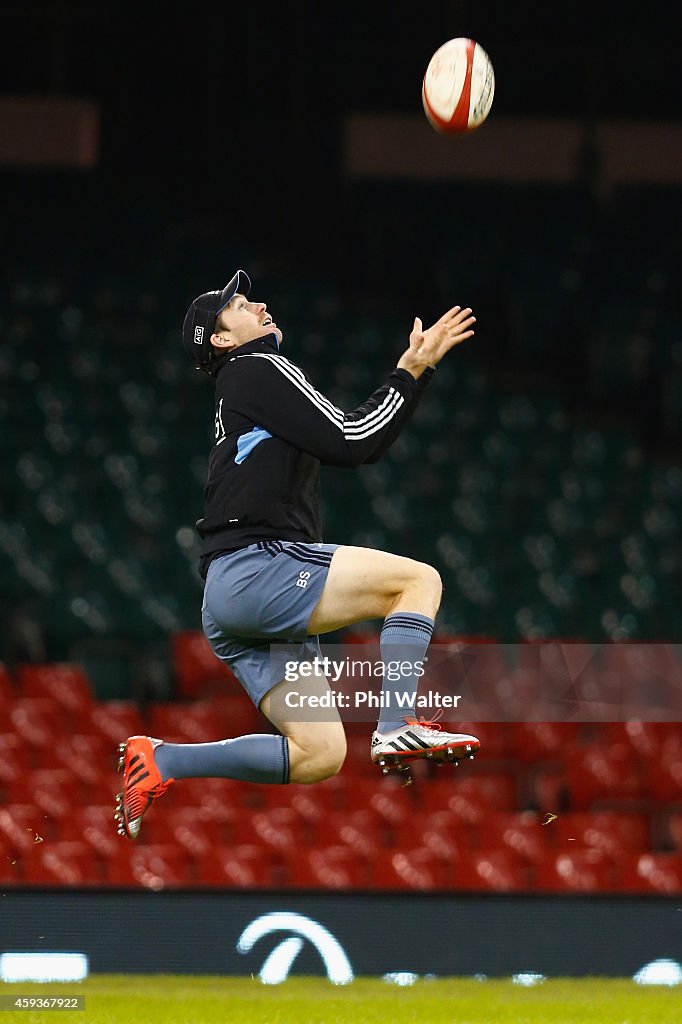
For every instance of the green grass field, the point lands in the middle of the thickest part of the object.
(166, 999)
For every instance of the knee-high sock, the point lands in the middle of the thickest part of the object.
(405, 637)
(256, 758)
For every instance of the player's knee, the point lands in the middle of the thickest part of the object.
(319, 757)
(432, 581)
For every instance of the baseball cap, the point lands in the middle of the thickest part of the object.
(201, 316)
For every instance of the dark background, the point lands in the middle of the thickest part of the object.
(233, 112)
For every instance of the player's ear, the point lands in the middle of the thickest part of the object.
(218, 342)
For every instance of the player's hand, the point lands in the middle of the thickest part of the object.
(427, 348)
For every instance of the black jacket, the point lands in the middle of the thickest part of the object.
(273, 430)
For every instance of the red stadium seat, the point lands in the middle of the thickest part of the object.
(654, 741)
(162, 866)
(543, 741)
(217, 799)
(10, 867)
(673, 826)
(39, 721)
(363, 831)
(240, 867)
(67, 684)
(21, 827)
(650, 872)
(312, 808)
(196, 834)
(197, 669)
(95, 826)
(612, 832)
(580, 870)
(497, 870)
(602, 772)
(12, 761)
(524, 834)
(56, 792)
(281, 829)
(68, 864)
(115, 720)
(327, 867)
(358, 762)
(233, 715)
(89, 758)
(410, 868)
(664, 778)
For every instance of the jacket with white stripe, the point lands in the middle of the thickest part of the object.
(273, 430)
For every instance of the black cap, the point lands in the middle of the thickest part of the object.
(201, 316)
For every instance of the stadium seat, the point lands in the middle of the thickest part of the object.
(523, 833)
(115, 720)
(67, 684)
(39, 722)
(327, 867)
(281, 829)
(409, 868)
(162, 866)
(313, 809)
(650, 873)
(654, 741)
(240, 867)
(612, 832)
(197, 669)
(217, 799)
(600, 773)
(10, 868)
(497, 870)
(56, 792)
(363, 831)
(12, 761)
(21, 827)
(581, 870)
(543, 741)
(358, 761)
(663, 778)
(234, 714)
(87, 757)
(68, 864)
(95, 826)
(441, 833)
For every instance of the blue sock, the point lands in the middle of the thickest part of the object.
(405, 637)
(256, 758)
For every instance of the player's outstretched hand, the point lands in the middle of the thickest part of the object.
(427, 348)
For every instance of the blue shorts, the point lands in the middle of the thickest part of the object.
(260, 595)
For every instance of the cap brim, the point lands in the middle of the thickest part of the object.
(240, 284)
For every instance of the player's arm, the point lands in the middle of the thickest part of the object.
(277, 395)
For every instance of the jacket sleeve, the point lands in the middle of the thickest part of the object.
(276, 394)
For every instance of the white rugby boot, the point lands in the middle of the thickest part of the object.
(420, 739)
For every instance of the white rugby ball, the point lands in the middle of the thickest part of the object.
(458, 87)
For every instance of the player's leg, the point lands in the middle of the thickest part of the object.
(265, 591)
(316, 737)
(365, 584)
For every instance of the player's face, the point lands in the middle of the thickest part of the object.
(243, 321)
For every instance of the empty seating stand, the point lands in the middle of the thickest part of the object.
(488, 827)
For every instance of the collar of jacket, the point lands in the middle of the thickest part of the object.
(266, 344)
